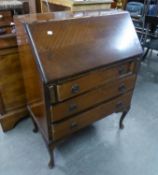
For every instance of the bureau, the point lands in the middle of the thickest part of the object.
(78, 67)
(12, 93)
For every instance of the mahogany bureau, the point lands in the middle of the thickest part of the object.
(82, 68)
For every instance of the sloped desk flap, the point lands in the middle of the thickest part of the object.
(71, 46)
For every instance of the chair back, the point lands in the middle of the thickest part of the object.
(135, 8)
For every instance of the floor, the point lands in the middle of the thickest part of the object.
(100, 149)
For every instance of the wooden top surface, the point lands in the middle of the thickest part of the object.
(72, 45)
(71, 3)
(78, 5)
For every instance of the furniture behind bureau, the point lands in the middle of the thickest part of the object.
(12, 93)
(73, 5)
(82, 68)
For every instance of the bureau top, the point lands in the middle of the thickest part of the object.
(71, 45)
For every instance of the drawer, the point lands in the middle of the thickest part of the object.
(92, 98)
(7, 41)
(81, 120)
(5, 18)
(93, 79)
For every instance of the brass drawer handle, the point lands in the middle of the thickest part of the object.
(1, 16)
(73, 125)
(122, 70)
(75, 89)
(119, 107)
(122, 88)
(72, 107)
(2, 31)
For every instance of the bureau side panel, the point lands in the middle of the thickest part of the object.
(32, 80)
(34, 89)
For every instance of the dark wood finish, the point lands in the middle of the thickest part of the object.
(5, 17)
(11, 118)
(122, 118)
(81, 120)
(92, 47)
(78, 75)
(38, 6)
(92, 98)
(92, 80)
(8, 41)
(2, 110)
(12, 93)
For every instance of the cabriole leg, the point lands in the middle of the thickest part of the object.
(121, 125)
(51, 153)
(35, 129)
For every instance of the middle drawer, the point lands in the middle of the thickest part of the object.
(92, 98)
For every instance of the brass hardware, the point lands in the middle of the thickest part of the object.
(122, 70)
(119, 107)
(2, 31)
(72, 107)
(73, 125)
(75, 89)
(122, 88)
(52, 94)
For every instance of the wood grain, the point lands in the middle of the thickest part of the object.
(92, 54)
(81, 120)
(92, 98)
(84, 41)
(10, 119)
(11, 81)
(2, 109)
(5, 18)
(93, 79)
(12, 93)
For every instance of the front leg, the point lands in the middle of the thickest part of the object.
(35, 129)
(51, 153)
(121, 125)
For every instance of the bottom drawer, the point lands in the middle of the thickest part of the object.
(83, 119)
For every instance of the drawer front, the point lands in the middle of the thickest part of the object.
(92, 80)
(8, 42)
(5, 17)
(92, 98)
(81, 120)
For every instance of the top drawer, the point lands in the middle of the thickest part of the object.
(93, 79)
